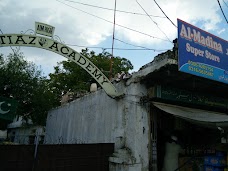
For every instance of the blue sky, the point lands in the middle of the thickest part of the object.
(83, 25)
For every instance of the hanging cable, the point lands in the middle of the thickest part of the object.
(113, 40)
(143, 48)
(145, 34)
(127, 12)
(154, 21)
(222, 11)
(164, 13)
(131, 44)
(106, 48)
(225, 3)
(10, 46)
(128, 49)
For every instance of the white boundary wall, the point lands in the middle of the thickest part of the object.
(97, 118)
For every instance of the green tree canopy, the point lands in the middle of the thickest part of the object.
(23, 81)
(36, 95)
(70, 77)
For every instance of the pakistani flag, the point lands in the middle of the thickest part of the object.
(8, 108)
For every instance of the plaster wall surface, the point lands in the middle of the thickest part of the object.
(3, 134)
(98, 118)
(20, 135)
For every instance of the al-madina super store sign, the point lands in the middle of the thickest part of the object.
(201, 53)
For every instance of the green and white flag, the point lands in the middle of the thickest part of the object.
(8, 108)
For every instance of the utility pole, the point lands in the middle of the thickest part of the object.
(113, 39)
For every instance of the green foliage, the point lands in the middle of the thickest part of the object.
(36, 95)
(22, 80)
(70, 77)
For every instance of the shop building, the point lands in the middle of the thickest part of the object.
(162, 109)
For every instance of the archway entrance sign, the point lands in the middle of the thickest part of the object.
(63, 50)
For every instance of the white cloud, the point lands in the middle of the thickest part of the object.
(221, 31)
(203, 11)
(91, 37)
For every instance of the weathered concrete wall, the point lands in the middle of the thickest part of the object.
(3, 134)
(97, 118)
(20, 135)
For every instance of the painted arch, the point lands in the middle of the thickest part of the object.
(63, 50)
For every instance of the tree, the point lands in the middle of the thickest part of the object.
(36, 95)
(23, 81)
(68, 76)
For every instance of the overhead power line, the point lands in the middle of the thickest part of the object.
(131, 44)
(128, 12)
(10, 46)
(153, 21)
(128, 49)
(164, 13)
(134, 49)
(145, 34)
(100, 47)
(142, 47)
(225, 3)
(222, 11)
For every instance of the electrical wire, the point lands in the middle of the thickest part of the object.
(107, 48)
(225, 3)
(164, 13)
(145, 34)
(154, 21)
(100, 47)
(131, 44)
(222, 11)
(143, 48)
(10, 46)
(92, 47)
(128, 12)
